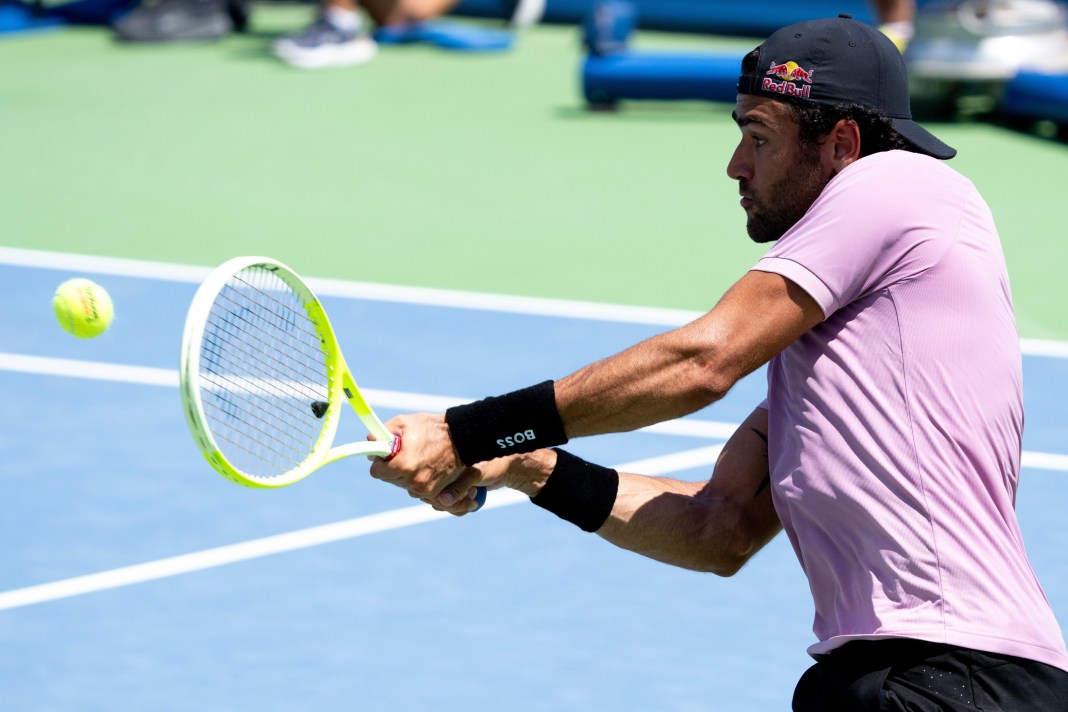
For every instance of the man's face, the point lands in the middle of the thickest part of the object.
(778, 178)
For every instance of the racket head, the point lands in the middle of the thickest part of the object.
(262, 376)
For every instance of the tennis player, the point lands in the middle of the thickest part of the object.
(889, 444)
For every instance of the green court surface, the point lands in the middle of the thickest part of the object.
(480, 173)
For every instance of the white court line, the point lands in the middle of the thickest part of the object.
(1044, 461)
(410, 295)
(302, 539)
(1041, 347)
(425, 296)
(314, 536)
(395, 400)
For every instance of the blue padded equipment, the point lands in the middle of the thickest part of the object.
(754, 18)
(1036, 95)
(663, 76)
(454, 36)
(18, 17)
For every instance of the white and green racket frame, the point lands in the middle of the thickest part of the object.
(341, 385)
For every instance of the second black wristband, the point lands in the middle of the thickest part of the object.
(520, 421)
(579, 492)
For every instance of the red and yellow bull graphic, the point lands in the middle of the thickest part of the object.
(789, 72)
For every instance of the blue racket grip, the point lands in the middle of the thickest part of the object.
(480, 498)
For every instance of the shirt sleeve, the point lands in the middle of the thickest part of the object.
(872, 226)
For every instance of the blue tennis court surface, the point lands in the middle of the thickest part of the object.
(134, 577)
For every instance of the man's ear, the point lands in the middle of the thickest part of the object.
(843, 144)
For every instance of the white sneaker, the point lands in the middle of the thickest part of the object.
(322, 45)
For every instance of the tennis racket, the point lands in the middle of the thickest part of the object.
(263, 380)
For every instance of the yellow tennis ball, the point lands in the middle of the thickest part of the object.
(83, 308)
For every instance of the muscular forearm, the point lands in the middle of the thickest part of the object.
(677, 523)
(684, 524)
(666, 377)
(683, 370)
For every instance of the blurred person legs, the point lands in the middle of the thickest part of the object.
(895, 18)
(182, 20)
(337, 37)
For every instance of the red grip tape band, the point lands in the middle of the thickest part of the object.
(394, 448)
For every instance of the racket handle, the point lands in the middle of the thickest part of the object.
(395, 447)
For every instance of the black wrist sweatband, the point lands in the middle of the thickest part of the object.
(520, 421)
(579, 492)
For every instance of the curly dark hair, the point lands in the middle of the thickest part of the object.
(815, 121)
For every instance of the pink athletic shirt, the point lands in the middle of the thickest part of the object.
(896, 423)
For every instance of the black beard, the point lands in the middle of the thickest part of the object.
(786, 202)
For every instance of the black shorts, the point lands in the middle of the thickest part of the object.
(899, 674)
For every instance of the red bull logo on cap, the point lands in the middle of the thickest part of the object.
(789, 73)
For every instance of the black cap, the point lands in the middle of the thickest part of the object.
(840, 61)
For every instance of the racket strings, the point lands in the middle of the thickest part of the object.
(261, 405)
(243, 422)
(262, 366)
(263, 362)
(258, 399)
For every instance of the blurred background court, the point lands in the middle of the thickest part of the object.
(501, 209)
